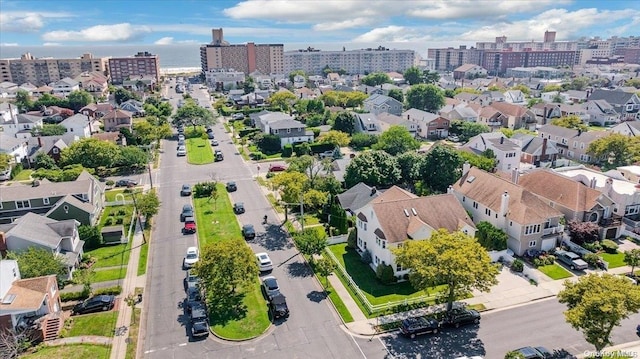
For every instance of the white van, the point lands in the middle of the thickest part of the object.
(5, 175)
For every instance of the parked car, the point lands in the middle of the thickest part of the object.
(191, 281)
(189, 225)
(191, 258)
(231, 186)
(181, 137)
(238, 208)
(278, 306)
(458, 317)
(535, 353)
(572, 260)
(237, 116)
(180, 143)
(187, 211)
(412, 327)
(264, 262)
(214, 143)
(182, 151)
(209, 129)
(218, 156)
(248, 232)
(210, 135)
(126, 182)
(198, 319)
(193, 297)
(277, 168)
(270, 286)
(99, 303)
(453, 138)
(186, 190)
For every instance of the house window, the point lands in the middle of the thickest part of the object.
(582, 145)
(377, 260)
(534, 228)
(56, 150)
(384, 244)
(364, 226)
(487, 211)
(275, 132)
(575, 144)
(399, 267)
(23, 204)
(288, 130)
(45, 200)
(475, 205)
(510, 223)
(532, 243)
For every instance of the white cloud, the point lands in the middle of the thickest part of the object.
(392, 34)
(27, 21)
(341, 25)
(8, 44)
(115, 32)
(474, 9)
(52, 44)
(164, 41)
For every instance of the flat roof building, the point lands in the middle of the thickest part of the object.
(140, 65)
(43, 71)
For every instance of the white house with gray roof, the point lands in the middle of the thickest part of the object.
(627, 104)
(78, 124)
(601, 112)
(65, 86)
(282, 125)
(377, 104)
(367, 123)
(356, 197)
(506, 151)
(627, 128)
(20, 125)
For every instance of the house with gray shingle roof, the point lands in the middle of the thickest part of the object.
(535, 150)
(380, 103)
(627, 128)
(65, 86)
(601, 112)
(20, 125)
(429, 125)
(396, 216)
(50, 145)
(356, 197)
(387, 120)
(572, 144)
(627, 104)
(506, 151)
(282, 125)
(367, 123)
(59, 237)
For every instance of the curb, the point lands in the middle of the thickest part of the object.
(532, 301)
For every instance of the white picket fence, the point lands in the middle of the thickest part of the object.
(337, 239)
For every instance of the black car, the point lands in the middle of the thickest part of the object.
(412, 327)
(198, 318)
(231, 186)
(535, 353)
(99, 303)
(278, 306)
(187, 211)
(458, 317)
(127, 182)
(194, 298)
(238, 207)
(186, 190)
(248, 232)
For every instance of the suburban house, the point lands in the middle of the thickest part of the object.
(377, 104)
(95, 83)
(577, 201)
(113, 137)
(515, 97)
(396, 216)
(52, 114)
(516, 116)
(529, 222)
(468, 71)
(625, 194)
(491, 117)
(506, 151)
(8, 112)
(21, 125)
(626, 104)
(65, 86)
(387, 120)
(52, 146)
(97, 110)
(627, 128)
(370, 90)
(59, 237)
(84, 204)
(116, 119)
(15, 147)
(546, 112)
(356, 197)
(572, 144)
(282, 125)
(29, 304)
(429, 125)
(574, 96)
(299, 81)
(469, 112)
(134, 107)
(367, 123)
(78, 124)
(535, 150)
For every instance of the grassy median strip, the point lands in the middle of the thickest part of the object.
(216, 221)
(70, 351)
(253, 322)
(199, 151)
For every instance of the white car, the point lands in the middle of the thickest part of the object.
(264, 262)
(270, 286)
(182, 151)
(191, 257)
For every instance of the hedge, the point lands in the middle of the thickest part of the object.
(248, 131)
(66, 297)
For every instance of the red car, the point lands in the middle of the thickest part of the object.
(277, 168)
(189, 226)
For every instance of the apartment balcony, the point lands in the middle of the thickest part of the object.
(553, 231)
(613, 221)
(632, 222)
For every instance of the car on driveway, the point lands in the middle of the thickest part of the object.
(231, 186)
(414, 326)
(237, 116)
(458, 317)
(238, 208)
(99, 303)
(191, 258)
(186, 190)
(264, 262)
(126, 182)
(248, 232)
(189, 225)
(572, 260)
(535, 353)
(187, 211)
(278, 306)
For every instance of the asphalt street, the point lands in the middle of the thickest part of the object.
(312, 331)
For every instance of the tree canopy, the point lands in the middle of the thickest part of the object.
(453, 259)
(337, 138)
(225, 266)
(440, 168)
(396, 94)
(49, 130)
(376, 78)
(413, 75)
(429, 98)
(37, 262)
(375, 168)
(90, 153)
(597, 303)
(343, 99)
(344, 122)
(192, 114)
(466, 130)
(5, 161)
(397, 139)
(572, 121)
(282, 100)
(615, 150)
(490, 237)
(79, 99)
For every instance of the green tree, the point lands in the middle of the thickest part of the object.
(429, 98)
(38, 262)
(123, 95)
(84, 277)
(293, 74)
(5, 161)
(361, 140)
(578, 83)
(491, 237)
(290, 184)
(616, 150)
(633, 83)
(309, 242)
(147, 133)
(91, 236)
(514, 355)
(523, 88)
(598, 303)
(533, 101)
(23, 101)
(43, 160)
(467, 130)
(413, 75)
(571, 121)
(376, 78)
(551, 88)
(452, 259)
(397, 139)
(131, 157)
(226, 266)
(79, 99)
(282, 100)
(47, 100)
(192, 114)
(90, 153)
(268, 143)
(375, 168)
(396, 94)
(147, 204)
(337, 138)
(440, 168)
(49, 130)
(344, 122)
(409, 164)
(632, 258)
(430, 77)
(485, 163)
(324, 267)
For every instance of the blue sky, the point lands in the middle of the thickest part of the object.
(298, 23)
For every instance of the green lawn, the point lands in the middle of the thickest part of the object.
(614, 260)
(109, 274)
(24, 175)
(111, 256)
(339, 304)
(554, 271)
(101, 324)
(144, 253)
(199, 151)
(244, 325)
(365, 278)
(71, 351)
(216, 222)
(110, 195)
(111, 215)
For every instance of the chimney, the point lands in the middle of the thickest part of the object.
(515, 175)
(543, 155)
(504, 205)
(373, 190)
(501, 140)
(450, 189)
(592, 183)
(465, 168)
(39, 141)
(607, 186)
(3, 242)
(579, 132)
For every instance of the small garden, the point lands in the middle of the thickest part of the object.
(587, 235)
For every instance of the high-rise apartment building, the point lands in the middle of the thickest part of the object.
(363, 61)
(497, 62)
(450, 58)
(549, 44)
(43, 71)
(247, 58)
(142, 64)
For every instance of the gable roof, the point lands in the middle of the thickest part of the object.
(39, 229)
(633, 127)
(419, 115)
(614, 97)
(82, 184)
(510, 109)
(532, 145)
(357, 196)
(285, 124)
(378, 99)
(76, 120)
(117, 114)
(560, 189)
(487, 189)
(559, 131)
(69, 199)
(400, 217)
(466, 67)
(28, 294)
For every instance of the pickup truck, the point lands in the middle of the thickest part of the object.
(572, 260)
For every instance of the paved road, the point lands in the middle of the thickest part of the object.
(312, 330)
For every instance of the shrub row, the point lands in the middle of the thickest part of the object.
(65, 297)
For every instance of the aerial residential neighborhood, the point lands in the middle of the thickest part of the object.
(255, 195)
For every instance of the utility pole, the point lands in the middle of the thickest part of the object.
(135, 208)
(301, 213)
(150, 176)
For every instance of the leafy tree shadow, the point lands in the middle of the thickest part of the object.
(316, 296)
(299, 269)
(274, 239)
(449, 343)
(226, 308)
